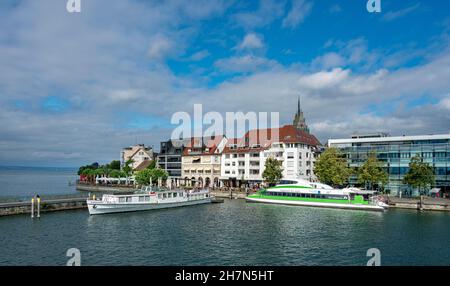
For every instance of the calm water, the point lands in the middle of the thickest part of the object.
(232, 233)
(22, 182)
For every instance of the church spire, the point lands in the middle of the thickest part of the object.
(299, 119)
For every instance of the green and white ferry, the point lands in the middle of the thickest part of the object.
(300, 192)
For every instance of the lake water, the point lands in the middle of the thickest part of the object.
(24, 182)
(232, 233)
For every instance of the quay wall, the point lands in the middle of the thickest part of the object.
(228, 194)
(91, 188)
(426, 204)
(17, 208)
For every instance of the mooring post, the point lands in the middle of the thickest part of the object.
(32, 207)
(38, 207)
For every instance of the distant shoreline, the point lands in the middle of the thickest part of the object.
(39, 168)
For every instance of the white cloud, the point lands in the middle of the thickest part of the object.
(251, 41)
(200, 55)
(445, 102)
(160, 46)
(393, 15)
(106, 63)
(327, 61)
(267, 12)
(246, 63)
(322, 80)
(299, 10)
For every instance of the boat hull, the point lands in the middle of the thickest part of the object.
(316, 204)
(98, 207)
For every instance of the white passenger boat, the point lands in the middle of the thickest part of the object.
(147, 199)
(299, 192)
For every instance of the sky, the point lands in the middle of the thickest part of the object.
(77, 87)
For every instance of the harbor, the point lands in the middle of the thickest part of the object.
(78, 201)
(231, 233)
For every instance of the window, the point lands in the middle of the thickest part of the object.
(141, 199)
(290, 155)
(287, 182)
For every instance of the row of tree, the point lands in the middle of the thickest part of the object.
(113, 170)
(333, 169)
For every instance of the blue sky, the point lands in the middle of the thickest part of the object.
(75, 88)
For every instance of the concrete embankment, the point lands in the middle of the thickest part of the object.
(427, 204)
(103, 189)
(16, 208)
(227, 194)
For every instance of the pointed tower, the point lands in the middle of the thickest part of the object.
(299, 119)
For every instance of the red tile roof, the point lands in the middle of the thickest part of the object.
(263, 138)
(260, 139)
(198, 145)
(143, 165)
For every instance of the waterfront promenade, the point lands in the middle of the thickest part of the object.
(78, 201)
(51, 205)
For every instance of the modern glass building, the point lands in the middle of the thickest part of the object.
(396, 152)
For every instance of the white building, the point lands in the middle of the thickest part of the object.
(243, 159)
(200, 165)
(140, 154)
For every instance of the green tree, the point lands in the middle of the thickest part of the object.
(92, 166)
(143, 177)
(89, 173)
(127, 168)
(371, 173)
(420, 175)
(117, 174)
(114, 165)
(152, 165)
(273, 171)
(332, 168)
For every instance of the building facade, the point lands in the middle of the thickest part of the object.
(395, 153)
(243, 159)
(140, 154)
(169, 159)
(201, 161)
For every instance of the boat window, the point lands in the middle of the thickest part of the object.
(175, 195)
(164, 195)
(128, 199)
(147, 198)
(287, 182)
(121, 200)
(141, 198)
(159, 196)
